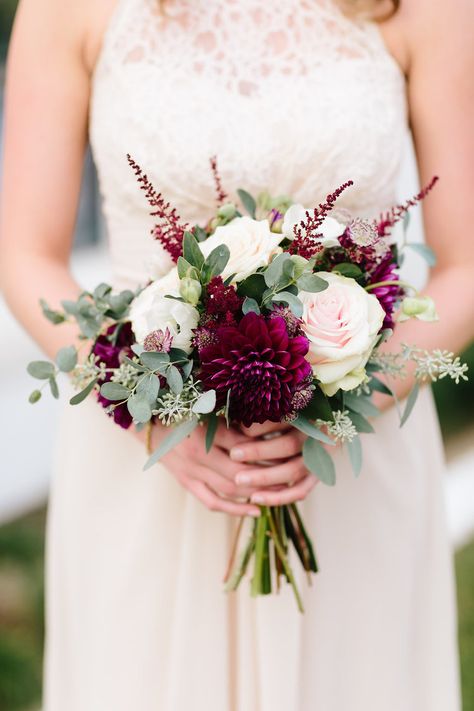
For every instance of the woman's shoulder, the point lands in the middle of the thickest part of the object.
(427, 29)
(68, 26)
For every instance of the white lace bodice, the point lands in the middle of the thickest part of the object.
(291, 96)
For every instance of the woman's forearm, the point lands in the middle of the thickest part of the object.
(26, 280)
(452, 289)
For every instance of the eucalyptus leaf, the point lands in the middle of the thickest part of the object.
(139, 408)
(205, 403)
(274, 271)
(55, 317)
(424, 251)
(174, 380)
(312, 283)
(177, 355)
(153, 360)
(304, 425)
(183, 267)
(410, 403)
(114, 391)
(319, 462)
(70, 307)
(149, 388)
(293, 302)
(319, 408)
(178, 434)
(250, 305)
(66, 359)
(80, 397)
(133, 364)
(191, 251)
(35, 397)
(41, 369)
(216, 262)
(187, 369)
(347, 269)
(200, 234)
(376, 384)
(248, 202)
(138, 349)
(212, 424)
(53, 386)
(360, 423)
(361, 405)
(253, 287)
(355, 455)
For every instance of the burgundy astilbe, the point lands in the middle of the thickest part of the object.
(220, 192)
(110, 352)
(169, 230)
(307, 240)
(388, 219)
(261, 366)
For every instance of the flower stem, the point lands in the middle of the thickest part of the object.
(283, 558)
(233, 552)
(391, 282)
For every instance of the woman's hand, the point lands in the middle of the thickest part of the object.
(278, 484)
(209, 476)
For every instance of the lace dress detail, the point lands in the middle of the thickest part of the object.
(291, 96)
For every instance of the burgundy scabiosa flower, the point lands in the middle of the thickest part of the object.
(110, 353)
(386, 270)
(262, 367)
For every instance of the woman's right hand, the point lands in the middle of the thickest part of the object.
(209, 476)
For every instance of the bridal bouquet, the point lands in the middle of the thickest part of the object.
(277, 314)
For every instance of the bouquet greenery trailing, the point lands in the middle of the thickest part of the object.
(274, 315)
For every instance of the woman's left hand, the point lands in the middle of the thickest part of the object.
(287, 480)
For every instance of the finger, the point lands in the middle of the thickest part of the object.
(263, 450)
(292, 471)
(298, 492)
(215, 503)
(220, 462)
(257, 430)
(220, 484)
(228, 437)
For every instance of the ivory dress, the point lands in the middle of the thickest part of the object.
(294, 98)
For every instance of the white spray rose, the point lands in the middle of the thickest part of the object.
(330, 228)
(251, 243)
(151, 311)
(342, 324)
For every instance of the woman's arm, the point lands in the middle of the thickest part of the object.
(440, 52)
(52, 53)
(47, 97)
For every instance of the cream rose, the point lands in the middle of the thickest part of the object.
(330, 228)
(151, 311)
(251, 243)
(342, 324)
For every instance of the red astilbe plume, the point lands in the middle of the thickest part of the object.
(169, 230)
(220, 192)
(306, 242)
(388, 219)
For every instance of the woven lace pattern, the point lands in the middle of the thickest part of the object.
(292, 97)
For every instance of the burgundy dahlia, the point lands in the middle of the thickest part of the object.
(110, 352)
(260, 364)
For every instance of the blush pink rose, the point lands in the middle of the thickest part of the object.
(342, 324)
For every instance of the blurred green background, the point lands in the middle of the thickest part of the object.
(22, 555)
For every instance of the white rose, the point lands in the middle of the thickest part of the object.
(151, 311)
(251, 243)
(342, 324)
(330, 228)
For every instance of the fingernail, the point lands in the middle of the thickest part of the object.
(242, 479)
(257, 499)
(237, 454)
(255, 513)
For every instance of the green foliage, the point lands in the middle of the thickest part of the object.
(319, 462)
(177, 435)
(248, 202)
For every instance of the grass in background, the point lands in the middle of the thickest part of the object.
(21, 614)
